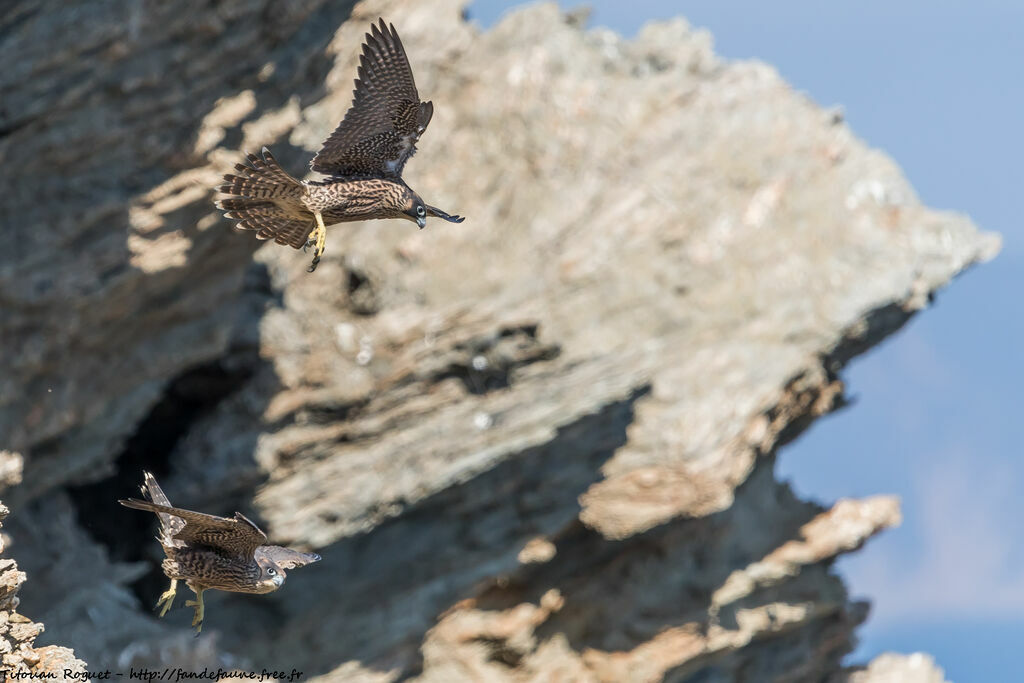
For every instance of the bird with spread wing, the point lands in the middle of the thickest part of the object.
(214, 553)
(363, 158)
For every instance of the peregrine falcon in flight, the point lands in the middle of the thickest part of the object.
(209, 552)
(363, 158)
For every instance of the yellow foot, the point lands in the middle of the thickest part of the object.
(167, 598)
(197, 620)
(318, 238)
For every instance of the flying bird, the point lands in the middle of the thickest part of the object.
(214, 553)
(363, 158)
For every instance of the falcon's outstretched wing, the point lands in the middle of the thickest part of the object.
(380, 129)
(236, 536)
(286, 558)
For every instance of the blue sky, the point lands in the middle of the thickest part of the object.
(938, 86)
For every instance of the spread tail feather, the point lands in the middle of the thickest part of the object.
(263, 178)
(259, 193)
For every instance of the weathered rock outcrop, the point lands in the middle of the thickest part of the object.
(18, 654)
(536, 445)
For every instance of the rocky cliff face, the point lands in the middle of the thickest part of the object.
(19, 657)
(535, 445)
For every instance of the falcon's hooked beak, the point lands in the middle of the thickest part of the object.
(434, 211)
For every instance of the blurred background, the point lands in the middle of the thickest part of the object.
(937, 86)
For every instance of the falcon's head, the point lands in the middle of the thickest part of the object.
(273, 560)
(271, 575)
(411, 207)
(407, 204)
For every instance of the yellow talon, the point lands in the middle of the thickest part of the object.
(167, 598)
(197, 620)
(319, 238)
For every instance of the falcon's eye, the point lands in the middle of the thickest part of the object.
(420, 211)
(271, 571)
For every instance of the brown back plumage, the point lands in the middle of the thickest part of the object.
(264, 194)
(380, 129)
